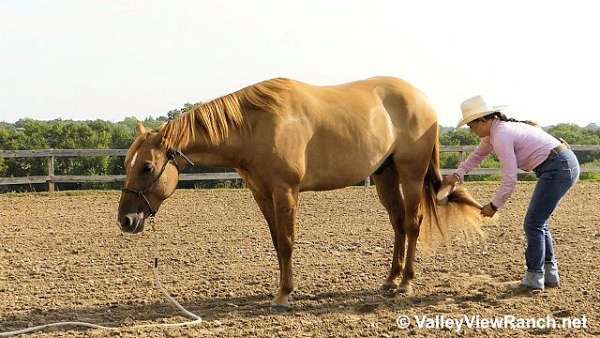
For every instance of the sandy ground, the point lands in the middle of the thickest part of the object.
(62, 258)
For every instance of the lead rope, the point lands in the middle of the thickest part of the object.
(195, 318)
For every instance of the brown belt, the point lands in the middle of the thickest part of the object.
(553, 153)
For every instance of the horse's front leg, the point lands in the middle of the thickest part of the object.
(265, 203)
(285, 202)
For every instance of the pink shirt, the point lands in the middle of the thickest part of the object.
(518, 146)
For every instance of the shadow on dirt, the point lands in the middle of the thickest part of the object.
(129, 314)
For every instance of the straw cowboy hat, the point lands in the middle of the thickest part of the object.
(474, 108)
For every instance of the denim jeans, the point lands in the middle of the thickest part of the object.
(555, 178)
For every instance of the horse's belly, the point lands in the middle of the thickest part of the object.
(343, 164)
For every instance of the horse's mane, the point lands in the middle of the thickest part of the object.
(213, 119)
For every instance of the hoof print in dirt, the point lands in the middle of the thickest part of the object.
(279, 308)
(367, 307)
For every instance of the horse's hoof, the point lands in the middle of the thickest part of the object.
(407, 289)
(389, 286)
(281, 303)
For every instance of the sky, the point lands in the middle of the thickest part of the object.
(109, 60)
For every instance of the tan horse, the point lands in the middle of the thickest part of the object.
(284, 137)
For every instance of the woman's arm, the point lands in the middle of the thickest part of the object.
(474, 159)
(508, 160)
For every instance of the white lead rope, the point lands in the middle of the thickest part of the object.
(195, 318)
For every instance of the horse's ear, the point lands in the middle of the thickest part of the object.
(139, 129)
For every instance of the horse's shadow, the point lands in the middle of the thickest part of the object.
(353, 301)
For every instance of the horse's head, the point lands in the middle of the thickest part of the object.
(152, 176)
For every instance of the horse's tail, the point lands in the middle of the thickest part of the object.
(459, 211)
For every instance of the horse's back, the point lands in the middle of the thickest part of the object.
(401, 99)
(351, 128)
(395, 103)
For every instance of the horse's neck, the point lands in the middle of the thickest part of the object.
(227, 154)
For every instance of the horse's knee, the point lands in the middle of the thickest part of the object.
(285, 247)
(285, 251)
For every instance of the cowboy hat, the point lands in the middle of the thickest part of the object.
(474, 108)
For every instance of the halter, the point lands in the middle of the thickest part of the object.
(171, 155)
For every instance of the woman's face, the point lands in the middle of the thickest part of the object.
(480, 127)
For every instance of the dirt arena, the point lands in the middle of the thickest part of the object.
(62, 258)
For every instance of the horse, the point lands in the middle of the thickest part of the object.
(284, 137)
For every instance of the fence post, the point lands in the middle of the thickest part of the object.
(51, 174)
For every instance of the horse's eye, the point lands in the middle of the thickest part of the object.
(147, 168)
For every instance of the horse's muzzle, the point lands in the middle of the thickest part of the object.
(132, 223)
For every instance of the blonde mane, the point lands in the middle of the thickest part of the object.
(214, 119)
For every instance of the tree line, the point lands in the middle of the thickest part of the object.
(67, 134)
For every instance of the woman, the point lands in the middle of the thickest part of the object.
(522, 145)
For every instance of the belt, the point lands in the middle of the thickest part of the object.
(553, 153)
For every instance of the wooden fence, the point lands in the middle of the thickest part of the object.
(52, 154)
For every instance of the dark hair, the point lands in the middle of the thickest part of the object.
(498, 115)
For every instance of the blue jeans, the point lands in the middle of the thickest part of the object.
(555, 178)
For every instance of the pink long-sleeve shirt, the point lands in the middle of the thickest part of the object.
(518, 146)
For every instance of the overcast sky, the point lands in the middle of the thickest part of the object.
(111, 59)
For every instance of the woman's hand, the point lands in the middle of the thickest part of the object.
(488, 211)
(449, 180)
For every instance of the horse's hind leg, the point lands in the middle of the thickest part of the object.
(388, 189)
(412, 190)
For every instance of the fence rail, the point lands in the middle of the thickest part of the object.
(52, 154)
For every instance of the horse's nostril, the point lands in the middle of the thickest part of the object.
(126, 221)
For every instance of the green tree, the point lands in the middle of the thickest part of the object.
(459, 137)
